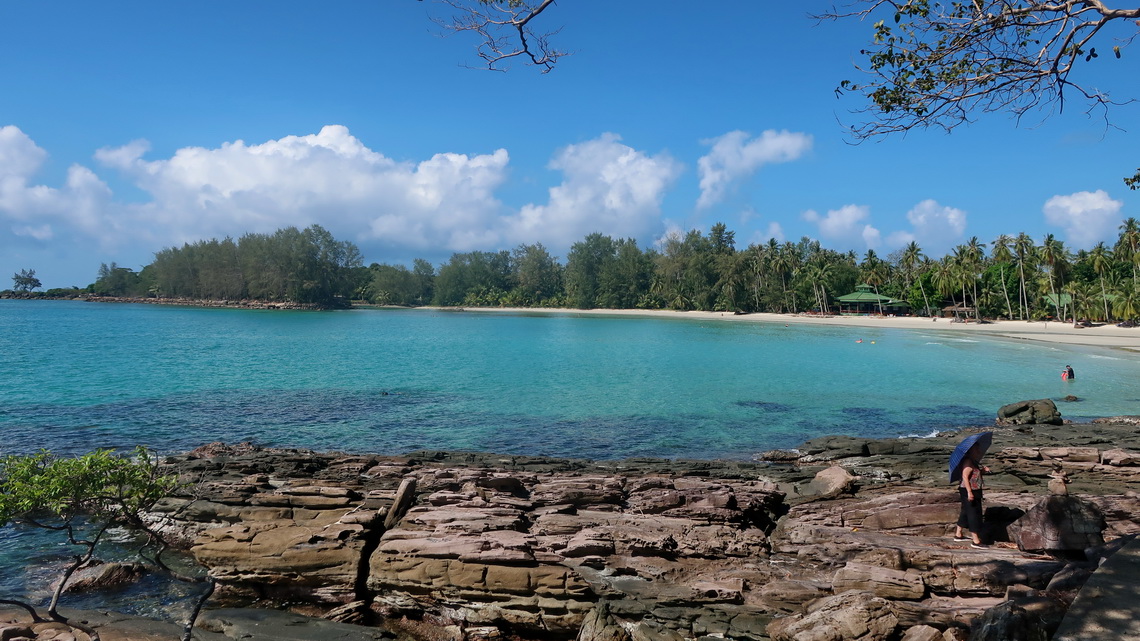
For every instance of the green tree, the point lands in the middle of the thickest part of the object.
(1002, 256)
(537, 274)
(1100, 258)
(81, 498)
(584, 266)
(25, 281)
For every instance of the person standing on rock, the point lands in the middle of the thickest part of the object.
(970, 493)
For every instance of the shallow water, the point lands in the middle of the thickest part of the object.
(76, 376)
(83, 375)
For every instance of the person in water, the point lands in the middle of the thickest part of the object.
(1069, 374)
(970, 494)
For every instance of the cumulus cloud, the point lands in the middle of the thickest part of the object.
(444, 203)
(846, 227)
(607, 187)
(1087, 217)
(38, 211)
(936, 228)
(734, 157)
(329, 178)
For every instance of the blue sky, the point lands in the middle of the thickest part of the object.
(132, 126)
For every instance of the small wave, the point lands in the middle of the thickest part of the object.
(1103, 357)
(964, 340)
(932, 343)
(932, 434)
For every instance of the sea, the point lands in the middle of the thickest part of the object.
(75, 376)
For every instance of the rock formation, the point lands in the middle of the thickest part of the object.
(843, 539)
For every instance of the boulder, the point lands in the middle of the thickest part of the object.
(1059, 523)
(1042, 411)
(922, 633)
(852, 616)
(831, 481)
(99, 576)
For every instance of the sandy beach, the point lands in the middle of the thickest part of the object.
(1108, 335)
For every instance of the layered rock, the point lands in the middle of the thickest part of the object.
(854, 532)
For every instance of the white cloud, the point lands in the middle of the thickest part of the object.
(329, 178)
(36, 211)
(734, 157)
(936, 228)
(1087, 217)
(845, 227)
(774, 230)
(607, 187)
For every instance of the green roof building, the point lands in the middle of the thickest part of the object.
(865, 301)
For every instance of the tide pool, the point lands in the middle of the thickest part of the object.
(76, 376)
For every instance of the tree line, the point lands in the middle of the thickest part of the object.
(1013, 277)
(306, 266)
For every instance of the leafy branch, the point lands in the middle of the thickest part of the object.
(934, 64)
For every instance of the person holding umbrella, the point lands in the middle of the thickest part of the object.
(966, 468)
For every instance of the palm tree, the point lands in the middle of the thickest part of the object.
(1001, 255)
(911, 258)
(1128, 244)
(1126, 305)
(1100, 258)
(975, 252)
(820, 273)
(874, 274)
(1023, 251)
(1055, 256)
(945, 277)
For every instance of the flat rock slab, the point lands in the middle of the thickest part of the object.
(1107, 607)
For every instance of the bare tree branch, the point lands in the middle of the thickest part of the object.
(938, 64)
(503, 27)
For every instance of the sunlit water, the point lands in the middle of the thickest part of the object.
(75, 376)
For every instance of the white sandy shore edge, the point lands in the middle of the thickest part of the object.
(1051, 332)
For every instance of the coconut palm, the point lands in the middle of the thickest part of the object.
(1001, 255)
(1024, 253)
(974, 253)
(1128, 245)
(874, 274)
(1126, 305)
(1054, 255)
(1100, 259)
(912, 257)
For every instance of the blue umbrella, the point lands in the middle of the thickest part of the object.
(959, 453)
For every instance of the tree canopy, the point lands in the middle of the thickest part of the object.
(25, 281)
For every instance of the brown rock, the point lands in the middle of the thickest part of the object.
(852, 616)
(922, 633)
(1059, 524)
(1043, 411)
(880, 581)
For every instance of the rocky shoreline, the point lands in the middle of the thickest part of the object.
(844, 538)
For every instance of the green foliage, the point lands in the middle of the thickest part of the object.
(25, 281)
(302, 266)
(119, 281)
(100, 485)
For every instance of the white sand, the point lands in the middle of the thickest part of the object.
(1052, 332)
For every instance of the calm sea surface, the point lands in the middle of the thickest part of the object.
(75, 376)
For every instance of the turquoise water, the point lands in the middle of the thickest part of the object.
(76, 376)
(83, 375)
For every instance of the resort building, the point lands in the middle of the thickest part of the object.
(865, 301)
